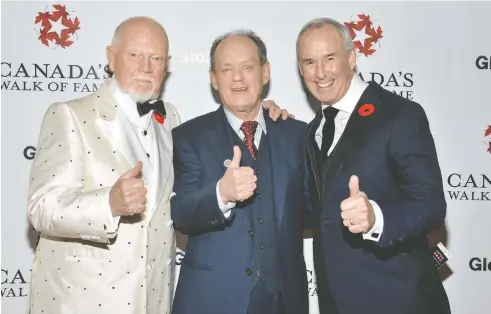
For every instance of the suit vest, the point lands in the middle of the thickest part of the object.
(260, 207)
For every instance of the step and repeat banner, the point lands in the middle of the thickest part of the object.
(438, 54)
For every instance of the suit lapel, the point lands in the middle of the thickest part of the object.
(163, 150)
(311, 150)
(221, 139)
(278, 147)
(355, 136)
(222, 143)
(118, 129)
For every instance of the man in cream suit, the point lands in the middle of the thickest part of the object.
(100, 186)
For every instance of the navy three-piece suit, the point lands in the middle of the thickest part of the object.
(251, 262)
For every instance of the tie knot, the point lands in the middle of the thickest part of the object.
(330, 113)
(249, 127)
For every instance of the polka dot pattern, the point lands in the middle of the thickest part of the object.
(78, 253)
(249, 129)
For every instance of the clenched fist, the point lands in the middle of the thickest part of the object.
(238, 183)
(128, 195)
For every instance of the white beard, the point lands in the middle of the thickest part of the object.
(141, 97)
(137, 96)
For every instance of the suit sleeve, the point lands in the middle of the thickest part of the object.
(414, 164)
(58, 203)
(194, 207)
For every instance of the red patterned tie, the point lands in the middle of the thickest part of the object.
(249, 129)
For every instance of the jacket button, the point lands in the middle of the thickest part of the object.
(251, 233)
(248, 272)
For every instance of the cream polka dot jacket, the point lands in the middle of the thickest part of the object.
(86, 261)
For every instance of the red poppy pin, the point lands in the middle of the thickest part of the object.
(158, 117)
(366, 110)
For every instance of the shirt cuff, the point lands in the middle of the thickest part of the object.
(225, 208)
(112, 222)
(376, 232)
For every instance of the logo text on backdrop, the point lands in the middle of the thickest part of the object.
(35, 77)
(483, 62)
(14, 283)
(367, 35)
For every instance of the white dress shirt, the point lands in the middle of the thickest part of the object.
(141, 125)
(236, 123)
(346, 105)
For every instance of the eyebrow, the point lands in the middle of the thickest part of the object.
(247, 61)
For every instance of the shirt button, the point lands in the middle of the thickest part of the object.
(261, 246)
(260, 221)
(251, 233)
(248, 272)
(259, 196)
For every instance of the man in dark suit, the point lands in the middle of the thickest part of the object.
(375, 186)
(240, 195)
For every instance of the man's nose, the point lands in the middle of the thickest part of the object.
(145, 65)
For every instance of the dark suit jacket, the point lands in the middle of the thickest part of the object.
(212, 278)
(393, 154)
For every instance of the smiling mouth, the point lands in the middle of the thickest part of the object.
(325, 85)
(240, 89)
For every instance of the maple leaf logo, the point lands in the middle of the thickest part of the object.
(487, 138)
(53, 38)
(372, 33)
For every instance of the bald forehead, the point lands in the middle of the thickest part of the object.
(134, 27)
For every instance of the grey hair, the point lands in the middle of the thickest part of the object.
(261, 46)
(341, 28)
(117, 31)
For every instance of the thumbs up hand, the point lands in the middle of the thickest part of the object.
(128, 195)
(357, 212)
(238, 183)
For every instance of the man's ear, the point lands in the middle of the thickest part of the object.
(111, 56)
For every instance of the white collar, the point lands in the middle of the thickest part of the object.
(236, 122)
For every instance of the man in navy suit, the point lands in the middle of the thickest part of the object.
(375, 186)
(240, 195)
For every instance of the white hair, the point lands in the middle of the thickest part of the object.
(341, 28)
